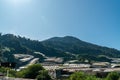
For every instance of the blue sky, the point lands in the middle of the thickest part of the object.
(95, 21)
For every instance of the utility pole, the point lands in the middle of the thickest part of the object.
(7, 74)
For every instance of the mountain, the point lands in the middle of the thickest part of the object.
(76, 46)
(25, 51)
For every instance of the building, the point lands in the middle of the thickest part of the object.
(101, 65)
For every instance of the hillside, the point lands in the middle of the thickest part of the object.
(76, 46)
(24, 51)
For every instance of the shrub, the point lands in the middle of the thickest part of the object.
(113, 76)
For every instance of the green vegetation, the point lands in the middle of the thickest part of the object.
(30, 72)
(69, 48)
(43, 75)
(35, 71)
(76, 46)
(12, 73)
(92, 58)
(83, 76)
(113, 76)
(78, 76)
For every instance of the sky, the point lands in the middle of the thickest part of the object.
(95, 21)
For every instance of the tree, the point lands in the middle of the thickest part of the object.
(12, 73)
(31, 72)
(113, 76)
(78, 76)
(90, 77)
(43, 75)
(82, 76)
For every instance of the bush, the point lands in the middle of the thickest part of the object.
(43, 75)
(82, 76)
(78, 76)
(113, 76)
(90, 77)
(12, 73)
(31, 72)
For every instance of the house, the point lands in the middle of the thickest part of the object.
(101, 65)
(115, 65)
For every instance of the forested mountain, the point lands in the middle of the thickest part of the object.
(76, 46)
(69, 48)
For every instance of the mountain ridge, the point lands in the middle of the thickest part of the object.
(71, 42)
